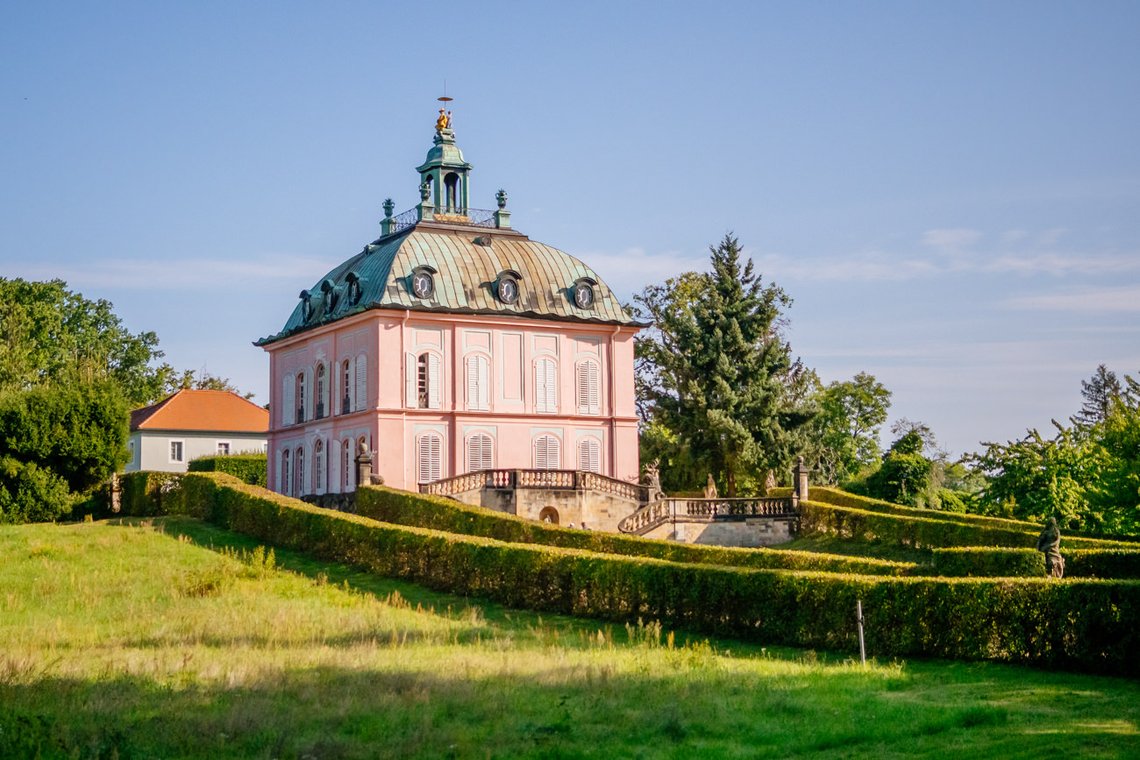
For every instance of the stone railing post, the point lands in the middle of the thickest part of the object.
(800, 474)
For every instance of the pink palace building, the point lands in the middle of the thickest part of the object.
(451, 344)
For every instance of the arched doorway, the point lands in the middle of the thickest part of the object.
(549, 515)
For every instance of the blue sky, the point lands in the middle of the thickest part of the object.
(949, 192)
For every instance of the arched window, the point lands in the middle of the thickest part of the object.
(478, 382)
(546, 386)
(319, 466)
(283, 477)
(299, 472)
(300, 395)
(451, 195)
(424, 381)
(346, 386)
(346, 466)
(588, 382)
(547, 453)
(322, 385)
(480, 452)
(590, 455)
(429, 457)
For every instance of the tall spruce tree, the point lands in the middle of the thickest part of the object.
(717, 373)
(1098, 391)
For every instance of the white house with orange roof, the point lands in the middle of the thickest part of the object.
(192, 423)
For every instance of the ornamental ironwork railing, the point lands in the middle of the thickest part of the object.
(405, 220)
(473, 217)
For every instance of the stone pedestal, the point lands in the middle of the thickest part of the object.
(800, 479)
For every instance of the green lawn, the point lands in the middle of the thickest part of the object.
(172, 638)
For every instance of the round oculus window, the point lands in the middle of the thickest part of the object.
(584, 295)
(423, 284)
(508, 290)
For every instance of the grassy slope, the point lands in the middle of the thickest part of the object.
(124, 639)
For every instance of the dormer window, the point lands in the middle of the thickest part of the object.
(328, 296)
(354, 289)
(306, 306)
(423, 282)
(507, 287)
(583, 292)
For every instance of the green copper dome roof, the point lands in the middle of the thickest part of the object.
(467, 263)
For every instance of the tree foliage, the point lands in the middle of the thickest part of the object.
(716, 373)
(77, 432)
(843, 438)
(1087, 474)
(52, 336)
(1098, 392)
(202, 381)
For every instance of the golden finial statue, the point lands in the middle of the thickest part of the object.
(443, 121)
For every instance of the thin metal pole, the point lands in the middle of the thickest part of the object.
(859, 619)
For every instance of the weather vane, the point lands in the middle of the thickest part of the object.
(443, 121)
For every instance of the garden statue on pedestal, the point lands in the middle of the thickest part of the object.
(1049, 542)
(653, 481)
(710, 488)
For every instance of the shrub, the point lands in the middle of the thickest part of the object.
(1092, 625)
(438, 513)
(78, 432)
(29, 493)
(248, 468)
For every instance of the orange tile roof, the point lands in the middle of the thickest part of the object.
(188, 409)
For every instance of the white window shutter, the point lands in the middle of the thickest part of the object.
(410, 394)
(484, 383)
(545, 386)
(472, 385)
(480, 453)
(310, 392)
(429, 458)
(433, 382)
(593, 401)
(547, 453)
(288, 405)
(589, 455)
(360, 391)
(478, 394)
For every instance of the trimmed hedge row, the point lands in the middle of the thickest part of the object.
(819, 519)
(249, 468)
(147, 493)
(839, 498)
(1091, 625)
(988, 561)
(996, 562)
(439, 513)
(1102, 563)
(918, 532)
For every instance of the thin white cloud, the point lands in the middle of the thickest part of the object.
(183, 274)
(1088, 300)
(957, 237)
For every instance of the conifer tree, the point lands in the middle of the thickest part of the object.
(1098, 392)
(716, 371)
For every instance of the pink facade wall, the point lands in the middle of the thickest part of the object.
(507, 409)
